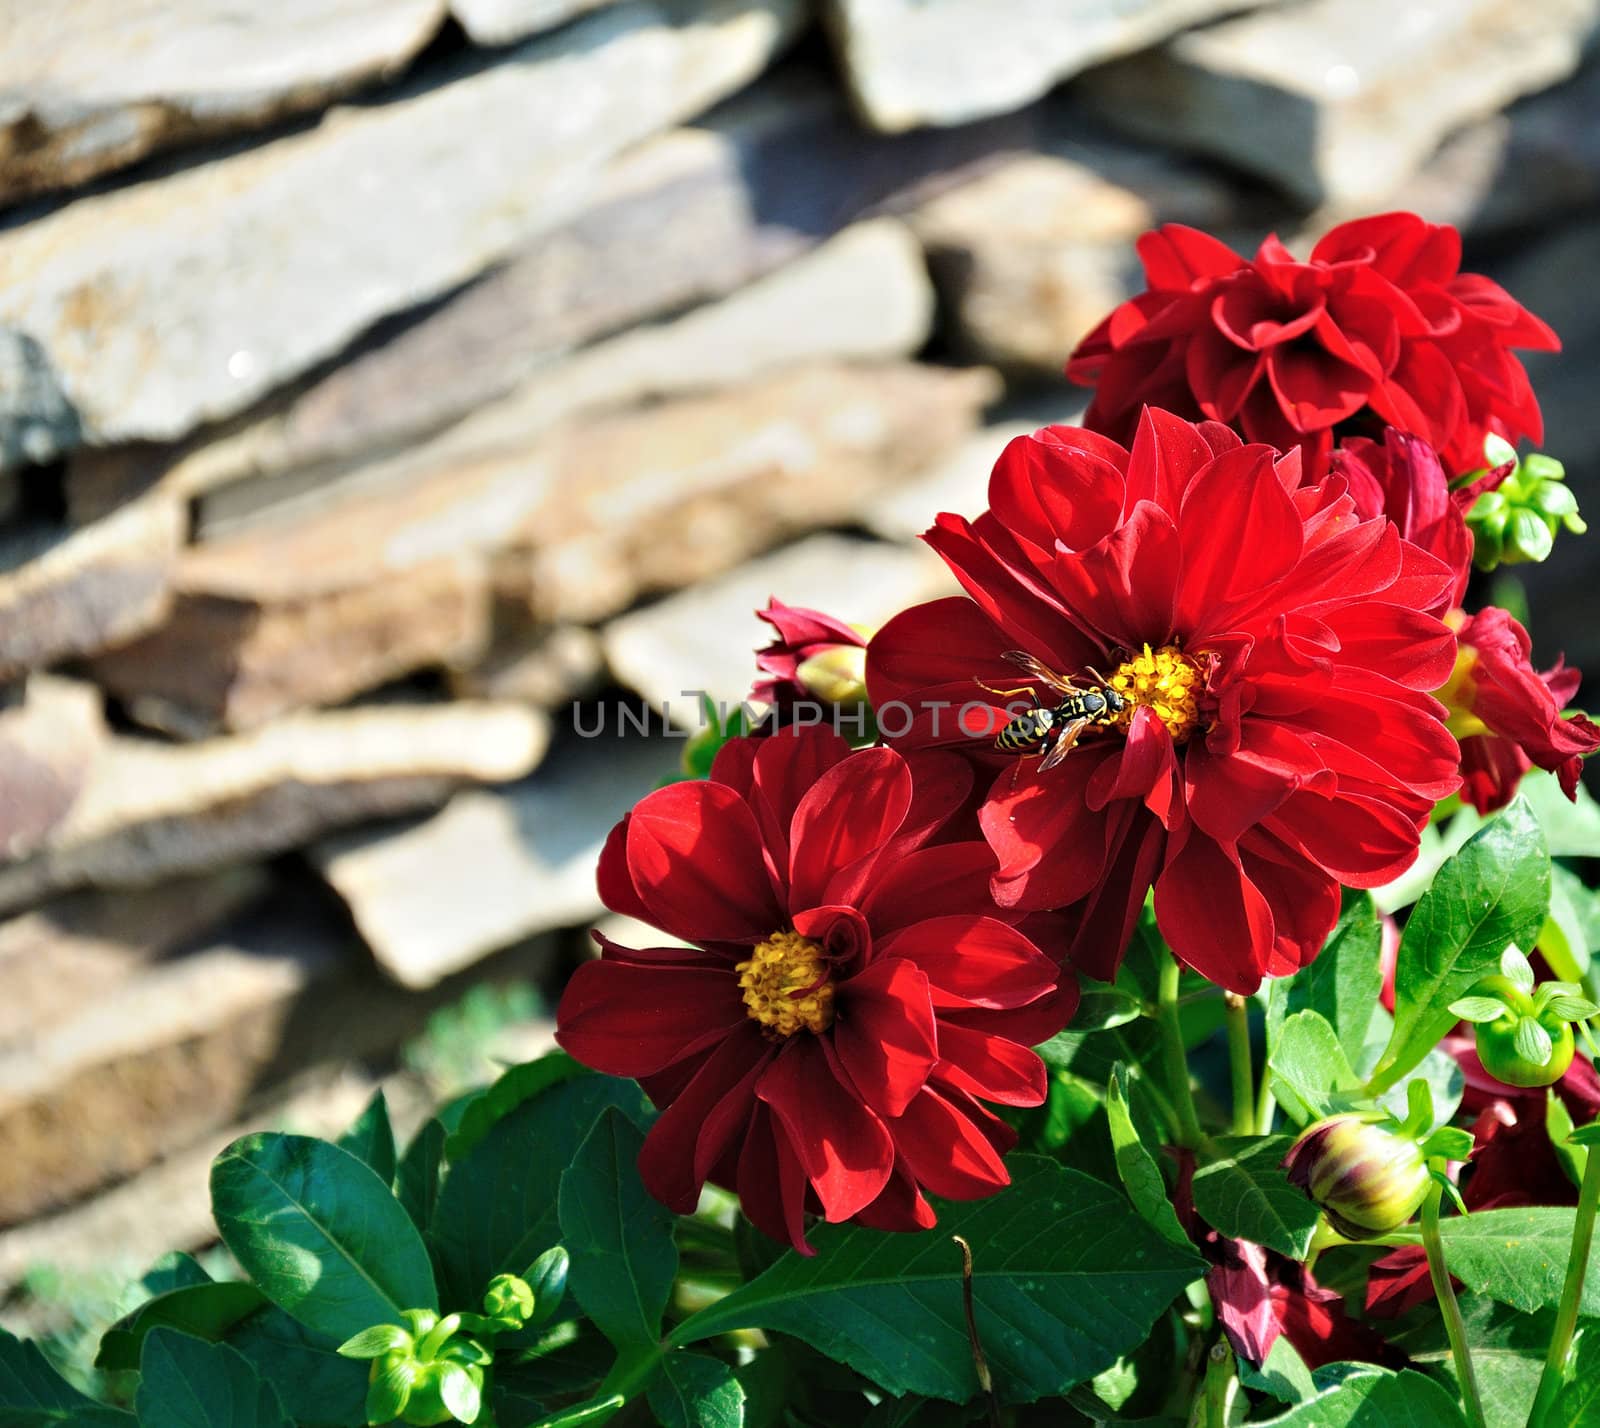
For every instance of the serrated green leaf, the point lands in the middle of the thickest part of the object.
(34, 1395)
(1376, 1400)
(1572, 827)
(1478, 1009)
(1246, 1196)
(1141, 1174)
(185, 1382)
(207, 1311)
(371, 1138)
(1508, 1350)
(1342, 984)
(1308, 1067)
(623, 1257)
(1518, 1256)
(1491, 894)
(319, 1233)
(696, 1391)
(1067, 1278)
(497, 1211)
(516, 1087)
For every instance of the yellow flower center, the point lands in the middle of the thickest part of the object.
(1164, 680)
(1459, 695)
(785, 985)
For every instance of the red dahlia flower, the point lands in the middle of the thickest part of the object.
(1508, 717)
(1378, 320)
(851, 997)
(1273, 654)
(814, 657)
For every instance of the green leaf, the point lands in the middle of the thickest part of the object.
(497, 1211)
(1586, 1135)
(1518, 1256)
(1478, 1009)
(1578, 1405)
(1508, 1350)
(1309, 1067)
(1247, 1196)
(1376, 1400)
(584, 1413)
(620, 1238)
(515, 1087)
(1441, 1073)
(1532, 1041)
(174, 1270)
(1515, 967)
(1342, 985)
(696, 1391)
(1572, 828)
(1571, 934)
(34, 1395)
(185, 1382)
(1140, 1172)
(1067, 1279)
(461, 1393)
(1283, 1374)
(207, 1311)
(1568, 1008)
(320, 1235)
(375, 1342)
(418, 1174)
(317, 1388)
(1491, 894)
(371, 1138)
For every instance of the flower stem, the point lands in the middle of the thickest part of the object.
(1244, 1081)
(1444, 1292)
(1190, 1135)
(1555, 1364)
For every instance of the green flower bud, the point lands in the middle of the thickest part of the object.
(1367, 1174)
(427, 1374)
(1518, 521)
(508, 1297)
(547, 1277)
(444, 1392)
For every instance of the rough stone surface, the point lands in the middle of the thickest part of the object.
(912, 62)
(503, 22)
(1031, 255)
(545, 668)
(1340, 100)
(664, 652)
(37, 422)
(83, 945)
(372, 211)
(661, 499)
(153, 810)
(70, 592)
(49, 742)
(90, 85)
(494, 866)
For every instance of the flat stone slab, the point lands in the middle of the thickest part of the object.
(1340, 100)
(153, 811)
(50, 739)
(502, 22)
(371, 212)
(913, 62)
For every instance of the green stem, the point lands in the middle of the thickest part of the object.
(1219, 1376)
(1555, 1364)
(1190, 1135)
(1444, 1292)
(1244, 1081)
(1266, 1107)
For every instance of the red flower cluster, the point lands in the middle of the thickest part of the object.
(1379, 321)
(851, 997)
(1507, 717)
(814, 656)
(1273, 651)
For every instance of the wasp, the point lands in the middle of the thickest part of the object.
(1056, 730)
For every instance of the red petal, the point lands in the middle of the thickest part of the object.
(946, 1152)
(1176, 256)
(977, 961)
(1050, 844)
(1213, 917)
(990, 1067)
(929, 882)
(884, 1033)
(613, 879)
(631, 1020)
(845, 817)
(772, 1183)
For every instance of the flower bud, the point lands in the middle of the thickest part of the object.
(1367, 1174)
(1517, 515)
(508, 1297)
(815, 657)
(547, 1277)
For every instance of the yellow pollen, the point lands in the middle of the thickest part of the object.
(1164, 680)
(1459, 695)
(785, 985)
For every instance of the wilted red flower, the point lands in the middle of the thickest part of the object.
(814, 657)
(1272, 647)
(1379, 319)
(851, 997)
(1402, 478)
(1508, 717)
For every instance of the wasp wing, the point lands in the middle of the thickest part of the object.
(1063, 745)
(1041, 672)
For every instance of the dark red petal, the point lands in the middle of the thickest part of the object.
(1050, 844)
(992, 1068)
(772, 1183)
(1405, 645)
(1230, 793)
(1177, 256)
(695, 855)
(946, 1151)
(614, 881)
(900, 1207)
(884, 1033)
(844, 818)
(930, 882)
(632, 1020)
(978, 961)
(1213, 917)
(1044, 488)
(788, 763)
(845, 1150)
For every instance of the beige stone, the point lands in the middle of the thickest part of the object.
(87, 86)
(501, 22)
(371, 212)
(547, 668)
(1341, 100)
(50, 739)
(154, 811)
